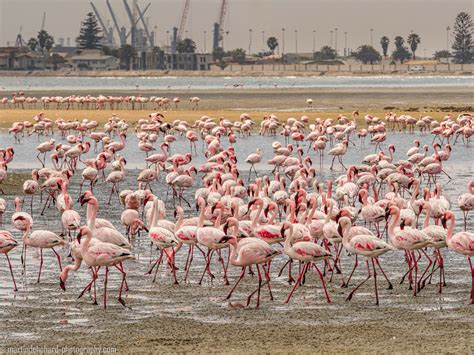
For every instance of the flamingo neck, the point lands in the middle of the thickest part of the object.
(449, 235)
(288, 239)
(257, 216)
(201, 217)
(92, 214)
(427, 217)
(393, 223)
(217, 223)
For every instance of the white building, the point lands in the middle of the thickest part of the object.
(94, 62)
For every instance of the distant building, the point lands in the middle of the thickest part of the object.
(188, 61)
(14, 58)
(94, 60)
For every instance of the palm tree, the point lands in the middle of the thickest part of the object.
(413, 40)
(384, 41)
(272, 43)
(45, 41)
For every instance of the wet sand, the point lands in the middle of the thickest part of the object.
(167, 318)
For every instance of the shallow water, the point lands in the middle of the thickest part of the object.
(202, 83)
(35, 310)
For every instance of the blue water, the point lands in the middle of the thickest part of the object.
(209, 83)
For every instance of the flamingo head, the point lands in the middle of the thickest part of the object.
(82, 232)
(230, 239)
(62, 284)
(85, 198)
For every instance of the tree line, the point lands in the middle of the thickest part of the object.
(90, 38)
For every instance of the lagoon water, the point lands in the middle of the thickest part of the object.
(213, 83)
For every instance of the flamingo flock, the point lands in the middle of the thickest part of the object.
(261, 223)
(91, 102)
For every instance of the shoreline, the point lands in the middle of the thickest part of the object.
(223, 73)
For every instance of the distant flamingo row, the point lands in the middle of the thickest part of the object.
(313, 222)
(90, 102)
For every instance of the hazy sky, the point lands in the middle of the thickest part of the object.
(428, 18)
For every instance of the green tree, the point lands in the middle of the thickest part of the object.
(32, 44)
(221, 64)
(238, 55)
(463, 46)
(367, 54)
(126, 54)
(442, 54)
(106, 50)
(413, 40)
(89, 36)
(401, 52)
(45, 40)
(272, 43)
(159, 57)
(325, 53)
(56, 59)
(186, 45)
(218, 54)
(384, 42)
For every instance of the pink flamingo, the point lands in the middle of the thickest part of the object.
(408, 239)
(339, 151)
(253, 253)
(369, 246)
(116, 177)
(253, 159)
(99, 254)
(462, 243)
(466, 202)
(31, 187)
(306, 252)
(43, 148)
(70, 219)
(41, 239)
(7, 243)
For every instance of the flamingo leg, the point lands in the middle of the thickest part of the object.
(267, 278)
(390, 286)
(41, 265)
(472, 281)
(415, 289)
(352, 272)
(323, 282)
(242, 275)
(105, 286)
(303, 270)
(349, 297)
(11, 272)
(59, 259)
(124, 281)
(375, 283)
(158, 265)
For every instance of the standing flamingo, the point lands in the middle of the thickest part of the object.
(462, 243)
(7, 243)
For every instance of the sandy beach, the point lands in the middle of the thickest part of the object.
(328, 102)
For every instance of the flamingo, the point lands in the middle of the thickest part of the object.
(42, 239)
(306, 252)
(462, 243)
(466, 202)
(7, 243)
(339, 151)
(366, 245)
(99, 254)
(253, 159)
(252, 253)
(408, 239)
